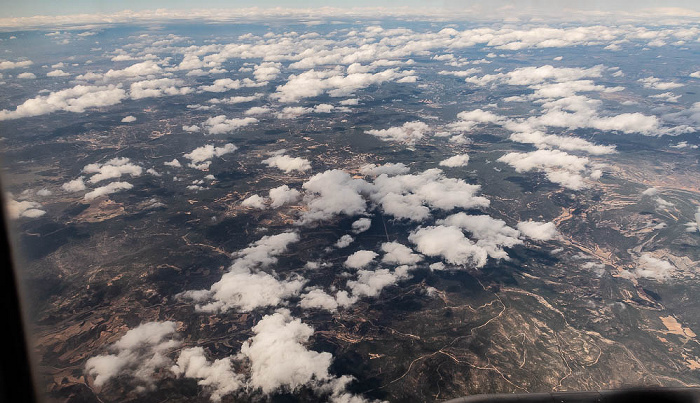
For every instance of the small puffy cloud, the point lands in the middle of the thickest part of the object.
(76, 99)
(694, 226)
(239, 99)
(467, 120)
(313, 83)
(412, 196)
(409, 132)
(222, 85)
(255, 202)
(491, 234)
(407, 79)
(217, 377)
(149, 68)
(565, 169)
(355, 101)
(437, 266)
(537, 75)
(450, 244)
(113, 187)
(323, 108)
(683, 144)
(23, 209)
(89, 76)
(388, 169)
(539, 231)
(396, 253)
(278, 356)
(402, 196)
(344, 241)
(266, 71)
(57, 73)
(568, 143)
(282, 195)
(257, 110)
(361, 225)
(657, 84)
(650, 267)
(26, 76)
(200, 157)
(112, 169)
(191, 129)
(76, 185)
(174, 163)
(44, 192)
(7, 65)
(360, 259)
(652, 191)
(220, 125)
(331, 193)
(287, 163)
(667, 97)
(318, 299)
(370, 283)
(245, 287)
(577, 111)
(244, 291)
(157, 88)
(138, 354)
(129, 119)
(568, 89)
(460, 160)
(291, 112)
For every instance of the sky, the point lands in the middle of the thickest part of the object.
(28, 8)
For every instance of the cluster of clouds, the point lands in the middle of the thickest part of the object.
(8, 65)
(200, 158)
(23, 209)
(563, 94)
(215, 376)
(447, 239)
(653, 194)
(277, 197)
(139, 353)
(693, 226)
(291, 112)
(560, 167)
(342, 62)
(76, 99)
(368, 281)
(403, 196)
(112, 169)
(246, 286)
(559, 91)
(335, 83)
(275, 357)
